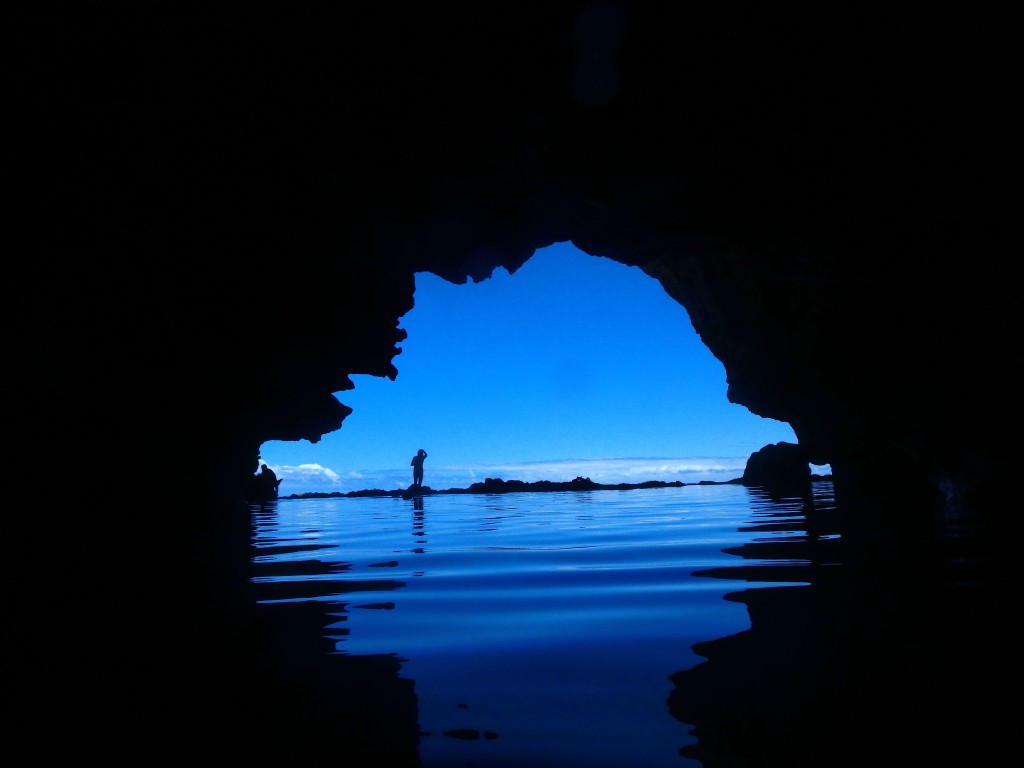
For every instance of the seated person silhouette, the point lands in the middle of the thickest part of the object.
(417, 467)
(266, 483)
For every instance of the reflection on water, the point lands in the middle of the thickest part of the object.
(887, 656)
(703, 625)
(535, 628)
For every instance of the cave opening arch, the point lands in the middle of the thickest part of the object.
(570, 365)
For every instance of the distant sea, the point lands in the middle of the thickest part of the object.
(313, 478)
(528, 628)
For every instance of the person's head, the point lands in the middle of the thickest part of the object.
(421, 452)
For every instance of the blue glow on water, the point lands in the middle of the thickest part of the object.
(551, 621)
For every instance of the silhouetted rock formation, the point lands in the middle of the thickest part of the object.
(498, 485)
(769, 169)
(814, 190)
(782, 469)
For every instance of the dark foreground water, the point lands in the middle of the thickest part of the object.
(537, 628)
(605, 629)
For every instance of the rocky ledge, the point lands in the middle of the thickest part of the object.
(781, 468)
(498, 485)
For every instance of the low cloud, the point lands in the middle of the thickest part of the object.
(308, 474)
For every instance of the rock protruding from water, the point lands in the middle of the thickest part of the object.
(782, 469)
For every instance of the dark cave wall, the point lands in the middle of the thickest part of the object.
(221, 211)
(248, 195)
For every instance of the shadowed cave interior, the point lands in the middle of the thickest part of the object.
(507, 378)
(812, 195)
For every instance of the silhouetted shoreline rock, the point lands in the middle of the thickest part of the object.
(780, 468)
(496, 485)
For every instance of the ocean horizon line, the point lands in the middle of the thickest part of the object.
(492, 486)
(316, 478)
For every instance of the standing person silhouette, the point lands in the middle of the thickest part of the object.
(417, 467)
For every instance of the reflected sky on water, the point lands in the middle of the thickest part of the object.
(536, 627)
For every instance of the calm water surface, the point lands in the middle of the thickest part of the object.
(544, 624)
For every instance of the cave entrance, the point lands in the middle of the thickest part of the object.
(573, 366)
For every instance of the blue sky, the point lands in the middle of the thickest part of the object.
(575, 365)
